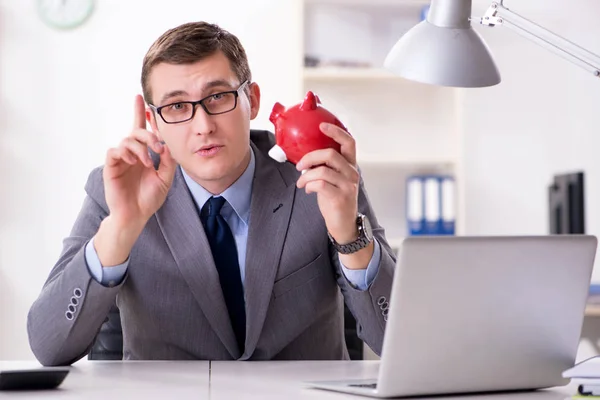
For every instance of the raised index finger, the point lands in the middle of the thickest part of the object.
(139, 117)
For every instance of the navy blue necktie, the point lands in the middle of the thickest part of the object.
(224, 251)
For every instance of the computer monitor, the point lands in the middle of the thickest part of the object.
(567, 203)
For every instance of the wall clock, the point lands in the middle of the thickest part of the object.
(65, 14)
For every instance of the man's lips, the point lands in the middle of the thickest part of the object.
(209, 146)
(209, 150)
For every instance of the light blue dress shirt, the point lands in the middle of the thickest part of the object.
(236, 211)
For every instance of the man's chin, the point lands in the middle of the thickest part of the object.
(214, 166)
(210, 173)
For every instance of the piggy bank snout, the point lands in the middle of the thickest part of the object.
(277, 154)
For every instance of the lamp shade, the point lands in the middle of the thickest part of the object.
(444, 50)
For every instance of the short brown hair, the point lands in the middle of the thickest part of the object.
(191, 42)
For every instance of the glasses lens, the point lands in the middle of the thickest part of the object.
(220, 103)
(177, 112)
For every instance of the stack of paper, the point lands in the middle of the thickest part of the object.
(586, 375)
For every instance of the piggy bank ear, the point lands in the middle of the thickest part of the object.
(318, 99)
(310, 102)
(278, 109)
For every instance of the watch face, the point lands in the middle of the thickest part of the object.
(367, 229)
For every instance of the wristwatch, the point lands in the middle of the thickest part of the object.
(365, 236)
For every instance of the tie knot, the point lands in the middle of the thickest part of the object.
(214, 205)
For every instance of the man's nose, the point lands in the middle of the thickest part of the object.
(203, 123)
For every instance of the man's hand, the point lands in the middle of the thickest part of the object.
(334, 177)
(134, 189)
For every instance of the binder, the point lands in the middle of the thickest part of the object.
(430, 205)
(424, 12)
(433, 201)
(448, 194)
(414, 206)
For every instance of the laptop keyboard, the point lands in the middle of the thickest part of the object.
(365, 385)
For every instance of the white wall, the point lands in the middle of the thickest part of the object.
(401, 127)
(67, 96)
(541, 120)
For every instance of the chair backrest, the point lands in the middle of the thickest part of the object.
(108, 344)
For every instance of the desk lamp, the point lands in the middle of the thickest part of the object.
(445, 50)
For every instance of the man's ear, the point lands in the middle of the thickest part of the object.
(254, 99)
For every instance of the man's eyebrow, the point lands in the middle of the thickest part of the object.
(172, 94)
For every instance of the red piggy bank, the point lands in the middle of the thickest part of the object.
(297, 129)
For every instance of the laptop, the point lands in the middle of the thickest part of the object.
(481, 314)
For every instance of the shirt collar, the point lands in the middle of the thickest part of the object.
(238, 195)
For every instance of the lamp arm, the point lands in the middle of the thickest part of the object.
(498, 14)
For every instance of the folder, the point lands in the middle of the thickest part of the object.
(448, 206)
(414, 206)
(433, 206)
(430, 205)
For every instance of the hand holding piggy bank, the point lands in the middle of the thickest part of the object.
(313, 139)
(297, 129)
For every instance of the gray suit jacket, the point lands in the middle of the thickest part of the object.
(171, 302)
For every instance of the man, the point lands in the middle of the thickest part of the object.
(218, 252)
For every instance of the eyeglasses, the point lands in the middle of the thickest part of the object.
(217, 103)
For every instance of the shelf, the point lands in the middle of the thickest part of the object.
(371, 3)
(592, 310)
(416, 162)
(348, 73)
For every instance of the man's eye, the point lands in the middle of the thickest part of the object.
(178, 107)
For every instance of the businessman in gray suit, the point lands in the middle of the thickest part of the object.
(218, 252)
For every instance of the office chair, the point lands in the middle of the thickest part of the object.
(108, 344)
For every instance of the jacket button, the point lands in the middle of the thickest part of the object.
(77, 293)
(381, 300)
(69, 315)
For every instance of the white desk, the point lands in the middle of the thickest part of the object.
(181, 380)
(112, 380)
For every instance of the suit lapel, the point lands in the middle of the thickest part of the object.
(183, 231)
(270, 210)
